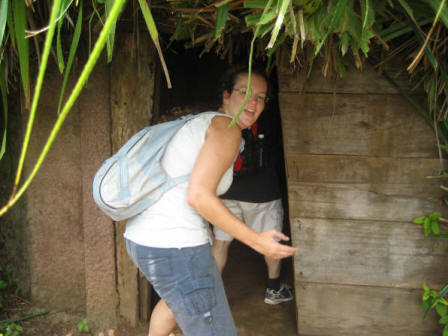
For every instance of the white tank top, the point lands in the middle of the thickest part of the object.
(172, 222)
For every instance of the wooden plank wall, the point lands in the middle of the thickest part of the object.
(357, 156)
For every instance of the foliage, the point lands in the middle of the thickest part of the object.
(9, 328)
(83, 325)
(433, 226)
(436, 300)
(12, 330)
(338, 31)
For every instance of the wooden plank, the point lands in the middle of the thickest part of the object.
(362, 169)
(366, 80)
(132, 88)
(144, 289)
(371, 125)
(386, 202)
(127, 279)
(334, 310)
(376, 253)
(132, 97)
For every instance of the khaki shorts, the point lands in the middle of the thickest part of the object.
(259, 216)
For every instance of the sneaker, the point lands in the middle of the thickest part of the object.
(284, 294)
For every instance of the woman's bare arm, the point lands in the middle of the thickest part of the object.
(216, 156)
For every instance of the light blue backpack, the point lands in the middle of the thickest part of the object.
(133, 179)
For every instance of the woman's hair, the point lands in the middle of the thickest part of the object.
(231, 76)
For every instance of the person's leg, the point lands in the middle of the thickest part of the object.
(205, 310)
(189, 282)
(273, 266)
(162, 320)
(263, 217)
(222, 241)
(220, 251)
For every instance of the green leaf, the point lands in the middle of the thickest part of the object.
(419, 220)
(435, 227)
(221, 19)
(443, 291)
(427, 226)
(341, 66)
(20, 24)
(334, 23)
(441, 309)
(5, 112)
(10, 24)
(150, 24)
(444, 320)
(259, 4)
(3, 19)
(71, 56)
(429, 54)
(435, 215)
(408, 9)
(260, 18)
(59, 53)
(367, 13)
(111, 36)
(181, 32)
(445, 331)
(435, 5)
(278, 23)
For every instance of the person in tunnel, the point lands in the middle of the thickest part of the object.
(170, 242)
(255, 196)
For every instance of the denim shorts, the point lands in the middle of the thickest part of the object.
(190, 283)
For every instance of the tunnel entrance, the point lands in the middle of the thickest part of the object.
(196, 86)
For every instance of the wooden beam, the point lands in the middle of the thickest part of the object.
(352, 124)
(386, 202)
(374, 253)
(338, 310)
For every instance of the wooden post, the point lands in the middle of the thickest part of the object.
(132, 97)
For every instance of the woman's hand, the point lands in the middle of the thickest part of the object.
(266, 244)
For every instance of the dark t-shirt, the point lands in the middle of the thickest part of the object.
(257, 171)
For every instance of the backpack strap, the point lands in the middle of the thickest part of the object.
(124, 193)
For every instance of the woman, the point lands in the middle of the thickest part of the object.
(169, 242)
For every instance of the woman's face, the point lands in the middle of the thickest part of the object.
(231, 101)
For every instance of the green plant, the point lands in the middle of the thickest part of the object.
(436, 300)
(3, 284)
(82, 326)
(12, 329)
(431, 225)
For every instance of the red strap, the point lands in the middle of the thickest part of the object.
(254, 129)
(238, 165)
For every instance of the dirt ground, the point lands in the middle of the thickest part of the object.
(244, 279)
